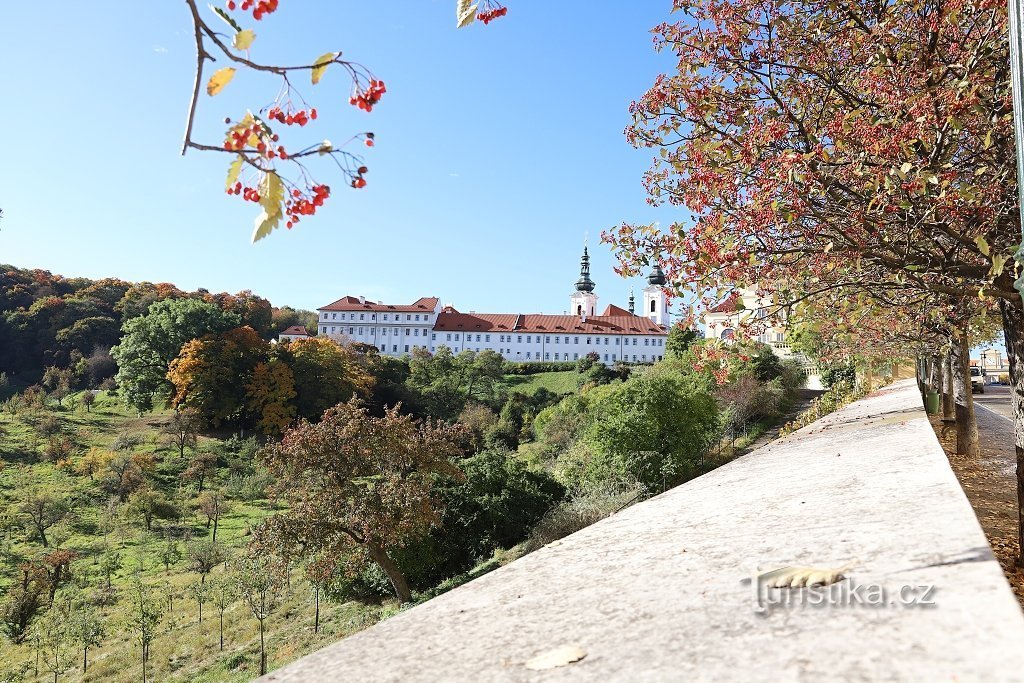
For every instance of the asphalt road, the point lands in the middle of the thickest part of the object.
(996, 399)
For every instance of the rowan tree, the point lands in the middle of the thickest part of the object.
(357, 480)
(821, 147)
(254, 140)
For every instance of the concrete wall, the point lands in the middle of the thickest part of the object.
(656, 592)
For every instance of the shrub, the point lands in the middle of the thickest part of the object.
(536, 367)
(580, 511)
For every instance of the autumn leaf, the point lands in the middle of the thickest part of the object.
(243, 39)
(795, 577)
(560, 656)
(227, 18)
(982, 245)
(219, 79)
(265, 224)
(465, 13)
(321, 64)
(234, 170)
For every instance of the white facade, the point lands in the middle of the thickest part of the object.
(656, 305)
(395, 330)
(524, 346)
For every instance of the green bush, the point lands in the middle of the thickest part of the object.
(655, 429)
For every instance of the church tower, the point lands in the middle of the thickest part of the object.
(655, 299)
(583, 301)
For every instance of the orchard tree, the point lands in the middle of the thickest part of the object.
(203, 556)
(213, 504)
(223, 594)
(357, 480)
(44, 509)
(260, 580)
(260, 161)
(142, 618)
(182, 430)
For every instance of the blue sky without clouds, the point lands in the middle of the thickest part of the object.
(499, 147)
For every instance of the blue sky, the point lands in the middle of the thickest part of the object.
(498, 148)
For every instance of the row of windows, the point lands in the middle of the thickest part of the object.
(373, 316)
(507, 338)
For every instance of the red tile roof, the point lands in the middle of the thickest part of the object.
(451, 320)
(351, 303)
(727, 306)
(614, 310)
(296, 329)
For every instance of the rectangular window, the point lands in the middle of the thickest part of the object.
(456, 337)
(634, 357)
(433, 336)
(613, 357)
(334, 316)
(394, 348)
(408, 317)
(547, 356)
(323, 330)
(351, 316)
(333, 329)
(576, 340)
(417, 332)
(407, 348)
(547, 339)
(425, 332)
(575, 356)
(449, 336)
(588, 340)
(487, 337)
(644, 357)
(478, 338)
(520, 340)
(417, 316)
(385, 316)
(528, 339)
(606, 358)
(634, 344)
(360, 331)
(362, 316)
(351, 331)
(325, 316)
(373, 316)
(606, 341)
(527, 355)
(407, 331)
(647, 342)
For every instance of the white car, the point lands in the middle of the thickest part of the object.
(977, 380)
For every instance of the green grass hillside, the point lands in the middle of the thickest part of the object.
(565, 382)
(184, 649)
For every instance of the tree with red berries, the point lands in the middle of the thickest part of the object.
(257, 170)
(823, 148)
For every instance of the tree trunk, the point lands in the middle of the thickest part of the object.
(401, 586)
(85, 659)
(222, 630)
(1013, 333)
(316, 599)
(935, 374)
(966, 426)
(263, 652)
(42, 535)
(200, 611)
(143, 663)
(216, 521)
(948, 413)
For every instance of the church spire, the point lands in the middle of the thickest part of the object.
(656, 277)
(585, 284)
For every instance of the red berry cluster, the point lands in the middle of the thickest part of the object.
(301, 117)
(490, 15)
(249, 194)
(359, 181)
(259, 7)
(237, 139)
(365, 99)
(300, 205)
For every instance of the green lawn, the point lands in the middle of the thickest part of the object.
(565, 382)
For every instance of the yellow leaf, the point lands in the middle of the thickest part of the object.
(320, 65)
(464, 13)
(234, 170)
(271, 193)
(998, 263)
(265, 224)
(243, 39)
(982, 244)
(219, 79)
(560, 656)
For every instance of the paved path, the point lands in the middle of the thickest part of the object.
(655, 592)
(996, 399)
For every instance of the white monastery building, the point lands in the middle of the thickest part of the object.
(614, 335)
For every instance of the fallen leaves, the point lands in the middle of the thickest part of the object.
(560, 656)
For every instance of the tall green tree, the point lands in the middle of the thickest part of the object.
(151, 341)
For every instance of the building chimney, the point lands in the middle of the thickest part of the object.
(362, 299)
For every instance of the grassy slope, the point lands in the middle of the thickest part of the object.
(566, 382)
(185, 650)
